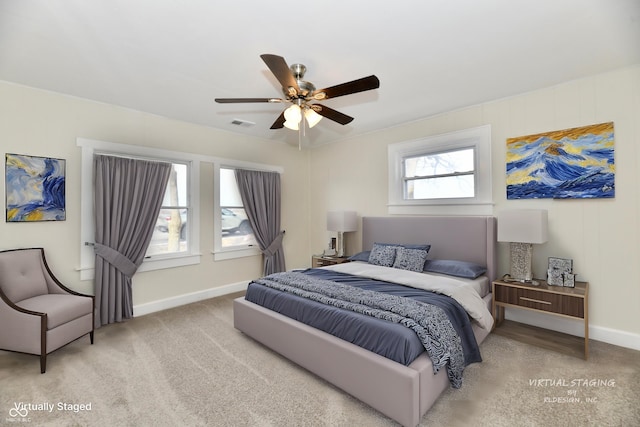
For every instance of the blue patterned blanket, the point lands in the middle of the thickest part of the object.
(430, 322)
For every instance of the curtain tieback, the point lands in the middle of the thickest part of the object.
(116, 259)
(275, 245)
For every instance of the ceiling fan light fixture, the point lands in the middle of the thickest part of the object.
(291, 125)
(293, 114)
(312, 117)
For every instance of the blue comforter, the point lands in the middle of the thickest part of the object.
(397, 322)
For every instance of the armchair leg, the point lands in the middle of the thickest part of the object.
(43, 343)
(91, 337)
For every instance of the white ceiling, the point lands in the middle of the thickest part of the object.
(172, 57)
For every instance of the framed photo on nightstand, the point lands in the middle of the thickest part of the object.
(557, 269)
(555, 277)
(569, 280)
(564, 265)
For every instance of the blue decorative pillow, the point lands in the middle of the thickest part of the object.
(467, 270)
(360, 256)
(410, 259)
(408, 246)
(423, 247)
(382, 254)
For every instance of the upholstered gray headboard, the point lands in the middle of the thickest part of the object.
(465, 238)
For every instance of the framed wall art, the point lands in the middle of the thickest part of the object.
(576, 163)
(34, 188)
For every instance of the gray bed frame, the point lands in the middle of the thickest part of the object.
(403, 393)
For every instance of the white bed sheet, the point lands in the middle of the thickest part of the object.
(480, 284)
(463, 292)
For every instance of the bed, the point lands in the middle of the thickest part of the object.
(404, 393)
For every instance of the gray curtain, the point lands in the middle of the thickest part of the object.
(260, 193)
(128, 194)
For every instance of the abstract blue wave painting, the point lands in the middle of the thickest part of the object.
(576, 163)
(34, 188)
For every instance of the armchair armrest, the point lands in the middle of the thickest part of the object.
(22, 330)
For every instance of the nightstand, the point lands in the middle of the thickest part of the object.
(560, 301)
(321, 260)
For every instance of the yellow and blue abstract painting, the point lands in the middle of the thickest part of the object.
(565, 164)
(34, 188)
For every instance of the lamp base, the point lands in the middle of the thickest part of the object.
(521, 257)
(340, 244)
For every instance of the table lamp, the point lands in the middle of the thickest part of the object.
(522, 228)
(341, 222)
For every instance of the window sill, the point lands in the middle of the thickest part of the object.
(235, 253)
(88, 273)
(159, 263)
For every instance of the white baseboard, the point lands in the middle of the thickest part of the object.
(164, 304)
(567, 326)
(576, 327)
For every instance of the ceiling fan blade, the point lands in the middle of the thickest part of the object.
(242, 100)
(332, 114)
(355, 86)
(280, 69)
(279, 123)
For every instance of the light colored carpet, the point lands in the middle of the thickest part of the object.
(188, 366)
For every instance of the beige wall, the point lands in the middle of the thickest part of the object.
(601, 236)
(41, 123)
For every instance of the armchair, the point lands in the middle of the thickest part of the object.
(39, 314)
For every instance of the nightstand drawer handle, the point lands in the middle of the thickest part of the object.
(535, 300)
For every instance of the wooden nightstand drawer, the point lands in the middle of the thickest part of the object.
(540, 300)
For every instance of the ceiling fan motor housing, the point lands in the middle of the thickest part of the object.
(305, 87)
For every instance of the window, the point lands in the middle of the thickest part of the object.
(171, 234)
(232, 235)
(175, 240)
(235, 229)
(445, 175)
(440, 173)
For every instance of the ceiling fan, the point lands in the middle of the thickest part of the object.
(302, 95)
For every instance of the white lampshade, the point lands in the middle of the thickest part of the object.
(293, 114)
(312, 117)
(291, 125)
(342, 221)
(523, 226)
(293, 117)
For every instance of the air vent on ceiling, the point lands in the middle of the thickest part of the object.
(243, 123)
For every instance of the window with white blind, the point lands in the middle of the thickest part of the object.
(437, 174)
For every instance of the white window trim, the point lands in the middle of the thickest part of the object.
(90, 147)
(481, 204)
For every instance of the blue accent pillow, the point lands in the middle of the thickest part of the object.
(410, 259)
(467, 270)
(383, 254)
(408, 246)
(360, 256)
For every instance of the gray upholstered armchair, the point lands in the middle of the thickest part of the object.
(37, 313)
